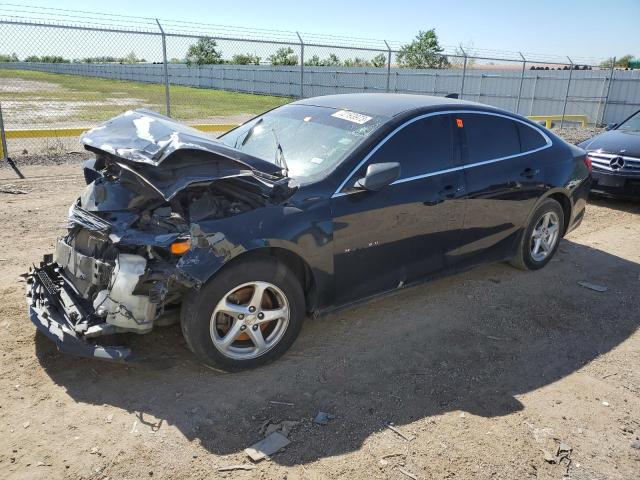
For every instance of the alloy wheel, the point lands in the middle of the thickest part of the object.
(249, 320)
(545, 236)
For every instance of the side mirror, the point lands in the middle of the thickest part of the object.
(610, 126)
(379, 175)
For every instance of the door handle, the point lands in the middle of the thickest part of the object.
(450, 191)
(530, 172)
(447, 193)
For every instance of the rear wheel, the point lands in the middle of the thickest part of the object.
(541, 238)
(246, 316)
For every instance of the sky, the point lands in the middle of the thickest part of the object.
(587, 28)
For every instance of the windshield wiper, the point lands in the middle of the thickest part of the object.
(249, 134)
(280, 158)
(279, 151)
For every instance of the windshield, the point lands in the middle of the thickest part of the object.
(307, 141)
(633, 124)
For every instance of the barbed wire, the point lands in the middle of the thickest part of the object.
(53, 16)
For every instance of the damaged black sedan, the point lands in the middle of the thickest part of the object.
(311, 206)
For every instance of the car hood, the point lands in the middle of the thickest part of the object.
(615, 141)
(147, 137)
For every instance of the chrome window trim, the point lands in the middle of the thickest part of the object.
(548, 144)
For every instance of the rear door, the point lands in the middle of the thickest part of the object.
(504, 179)
(406, 230)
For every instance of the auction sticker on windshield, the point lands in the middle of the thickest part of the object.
(351, 117)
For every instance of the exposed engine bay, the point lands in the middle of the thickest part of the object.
(118, 267)
(127, 276)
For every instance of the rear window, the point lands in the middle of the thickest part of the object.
(489, 137)
(530, 139)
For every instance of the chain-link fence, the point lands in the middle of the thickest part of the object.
(58, 77)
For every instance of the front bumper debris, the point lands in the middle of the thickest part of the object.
(59, 313)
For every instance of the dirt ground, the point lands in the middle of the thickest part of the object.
(485, 373)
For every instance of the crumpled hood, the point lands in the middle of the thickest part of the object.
(150, 138)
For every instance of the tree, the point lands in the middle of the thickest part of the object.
(132, 58)
(606, 63)
(314, 61)
(458, 60)
(423, 52)
(248, 59)
(283, 56)
(332, 60)
(129, 59)
(356, 62)
(103, 59)
(622, 62)
(9, 58)
(379, 60)
(204, 52)
(46, 59)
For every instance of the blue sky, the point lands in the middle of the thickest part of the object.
(587, 28)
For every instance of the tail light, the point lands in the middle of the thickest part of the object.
(587, 162)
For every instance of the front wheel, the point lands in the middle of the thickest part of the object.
(541, 238)
(246, 316)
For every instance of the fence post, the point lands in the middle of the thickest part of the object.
(533, 94)
(166, 69)
(464, 73)
(4, 152)
(301, 65)
(388, 65)
(566, 95)
(600, 98)
(524, 65)
(606, 99)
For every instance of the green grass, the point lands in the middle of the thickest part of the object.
(187, 103)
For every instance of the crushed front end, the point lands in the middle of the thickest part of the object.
(113, 272)
(117, 268)
(61, 314)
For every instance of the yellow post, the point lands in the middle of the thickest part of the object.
(72, 132)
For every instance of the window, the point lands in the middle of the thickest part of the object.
(632, 124)
(423, 146)
(530, 138)
(311, 141)
(489, 137)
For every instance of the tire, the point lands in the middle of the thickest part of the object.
(203, 335)
(525, 259)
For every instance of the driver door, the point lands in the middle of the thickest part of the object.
(406, 230)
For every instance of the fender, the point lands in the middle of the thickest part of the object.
(574, 202)
(306, 233)
(550, 193)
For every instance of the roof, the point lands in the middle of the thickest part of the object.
(385, 104)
